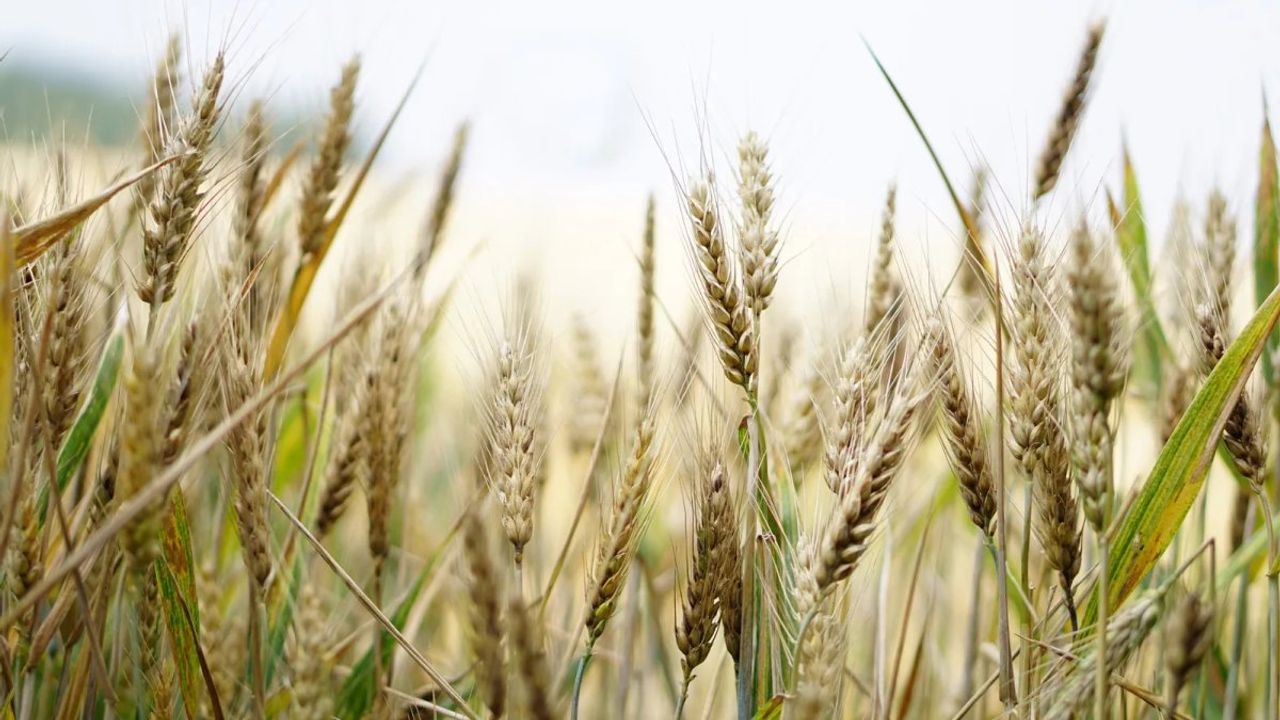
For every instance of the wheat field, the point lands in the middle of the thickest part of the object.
(243, 477)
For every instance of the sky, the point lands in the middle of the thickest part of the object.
(581, 107)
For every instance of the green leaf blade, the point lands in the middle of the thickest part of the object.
(1181, 468)
(1266, 237)
(80, 438)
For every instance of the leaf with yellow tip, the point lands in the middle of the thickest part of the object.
(1179, 472)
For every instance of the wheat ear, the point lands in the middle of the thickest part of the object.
(1069, 115)
(854, 517)
(964, 439)
(732, 325)
(1035, 419)
(171, 216)
(322, 179)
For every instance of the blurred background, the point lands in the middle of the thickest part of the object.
(579, 109)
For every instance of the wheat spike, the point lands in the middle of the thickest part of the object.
(1069, 115)
(1036, 414)
(1099, 363)
(885, 288)
(759, 240)
(854, 517)
(322, 179)
(965, 440)
(732, 325)
(620, 532)
(171, 216)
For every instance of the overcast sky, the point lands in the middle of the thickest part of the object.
(577, 102)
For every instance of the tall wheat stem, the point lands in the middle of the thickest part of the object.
(750, 614)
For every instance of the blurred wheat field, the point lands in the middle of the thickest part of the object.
(289, 437)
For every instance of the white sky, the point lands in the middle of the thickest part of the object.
(563, 93)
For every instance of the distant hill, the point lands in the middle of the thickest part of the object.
(34, 98)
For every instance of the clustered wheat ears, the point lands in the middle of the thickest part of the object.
(221, 504)
(1037, 414)
(854, 517)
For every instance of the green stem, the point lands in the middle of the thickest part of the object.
(1104, 555)
(1028, 637)
(1273, 606)
(1104, 673)
(1231, 701)
(747, 660)
(578, 675)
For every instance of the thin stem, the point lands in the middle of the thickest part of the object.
(578, 675)
(1273, 667)
(1104, 556)
(975, 611)
(1000, 550)
(1024, 579)
(257, 609)
(1273, 607)
(1104, 673)
(1231, 702)
(684, 696)
(747, 653)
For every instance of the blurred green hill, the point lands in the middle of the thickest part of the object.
(34, 99)
(104, 112)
